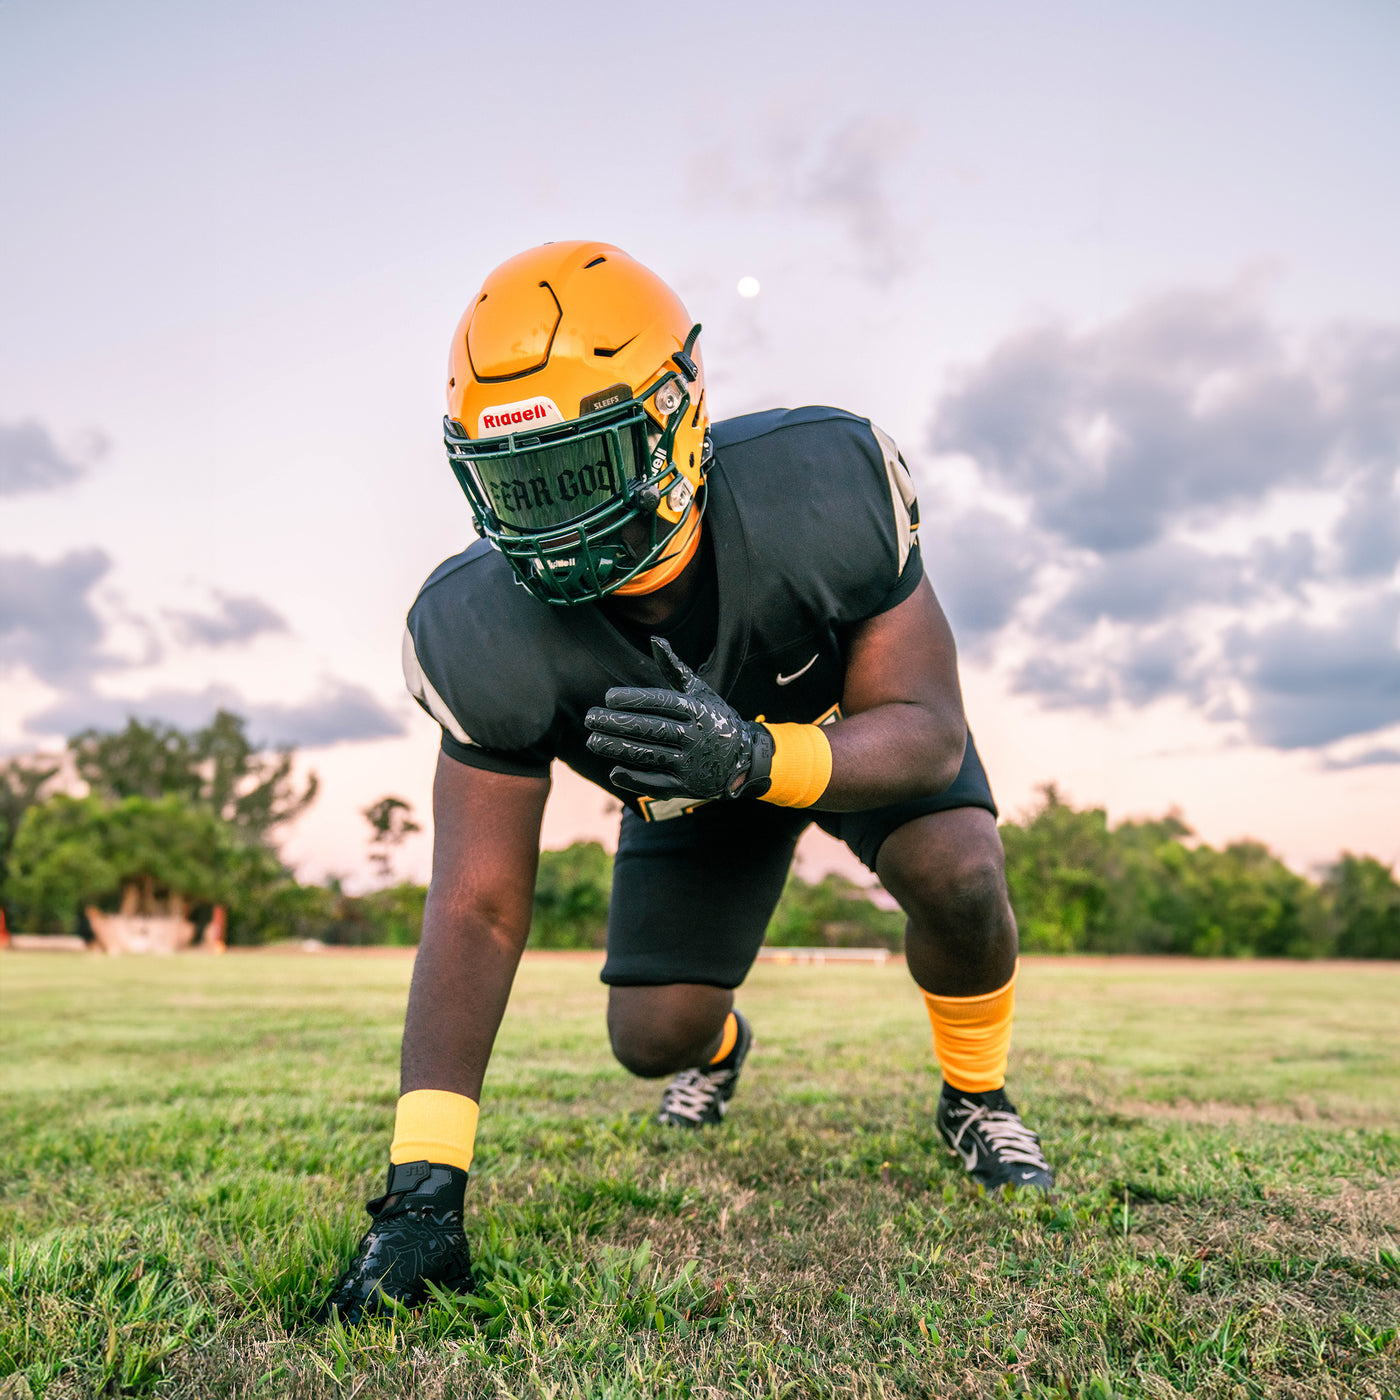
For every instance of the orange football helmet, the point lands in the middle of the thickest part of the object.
(576, 422)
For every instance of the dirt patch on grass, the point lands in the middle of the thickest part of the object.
(1360, 1226)
(1214, 1114)
(1371, 1212)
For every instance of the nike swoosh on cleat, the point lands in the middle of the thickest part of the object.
(788, 680)
(969, 1157)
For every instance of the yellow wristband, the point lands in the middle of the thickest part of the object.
(801, 764)
(434, 1125)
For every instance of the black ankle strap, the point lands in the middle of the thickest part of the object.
(404, 1176)
(420, 1185)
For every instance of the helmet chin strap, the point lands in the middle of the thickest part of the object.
(668, 569)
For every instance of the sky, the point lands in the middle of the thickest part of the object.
(1123, 280)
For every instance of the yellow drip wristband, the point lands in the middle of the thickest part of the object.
(801, 764)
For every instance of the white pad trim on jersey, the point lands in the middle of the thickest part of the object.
(902, 493)
(421, 688)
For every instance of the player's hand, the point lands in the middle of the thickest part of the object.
(681, 742)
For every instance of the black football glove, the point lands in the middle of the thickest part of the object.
(682, 742)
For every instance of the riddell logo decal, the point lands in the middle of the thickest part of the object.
(512, 417)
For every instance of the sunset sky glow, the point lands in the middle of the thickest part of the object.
(1122, 280)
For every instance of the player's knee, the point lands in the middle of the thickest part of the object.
(650, 1051)
(653, 1046)
(656, 1031)
(963, 895)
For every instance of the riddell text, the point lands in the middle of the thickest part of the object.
(521, 415)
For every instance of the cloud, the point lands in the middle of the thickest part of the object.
(30, 460)
(1298, 682)
(1138, 668)
(1144, 585)
(1189, 404)
(234, 620)
(841, 173)
(47, 619)
(1145, 456)
(1311, 683)
(846, 178)
(1061, 684)
(1367, 537)
(1285, 564)
(48, 622)
(1163, 663)
(1370, 758)
(981, 564)
(340, 713)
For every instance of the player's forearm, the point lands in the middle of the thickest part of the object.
(461, 982)
(892, 753)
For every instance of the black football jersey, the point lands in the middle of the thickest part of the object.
(813, 527)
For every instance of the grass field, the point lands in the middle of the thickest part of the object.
(187, 1145)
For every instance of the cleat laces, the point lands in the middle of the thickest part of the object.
(693, 1094)
(700, 1096)
(1006, 1134)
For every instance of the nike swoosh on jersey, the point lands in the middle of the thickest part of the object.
(788, 680)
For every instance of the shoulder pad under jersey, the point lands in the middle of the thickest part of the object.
(475, 653)
(827, 503)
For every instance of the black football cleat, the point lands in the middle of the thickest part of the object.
(995, 1146)
(416, 1239)
(697, 1097)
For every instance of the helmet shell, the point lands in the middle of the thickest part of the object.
(565, 322)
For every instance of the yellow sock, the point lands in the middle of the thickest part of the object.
(971, 1036)
(731, 1034)
(433, 1125)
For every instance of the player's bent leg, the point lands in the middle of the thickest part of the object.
(658, 1030)
(946, 871)
(687, 1030)
(691, 898)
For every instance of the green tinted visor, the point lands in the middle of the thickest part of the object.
(531, 482)
(573, 505)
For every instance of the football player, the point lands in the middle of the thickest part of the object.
(729, 628)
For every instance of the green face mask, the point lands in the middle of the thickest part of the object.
(572, 506)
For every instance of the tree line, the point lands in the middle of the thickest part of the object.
(194, 813)
(198, 811)
(1080, 885)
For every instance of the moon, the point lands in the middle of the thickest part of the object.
(748, 287)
